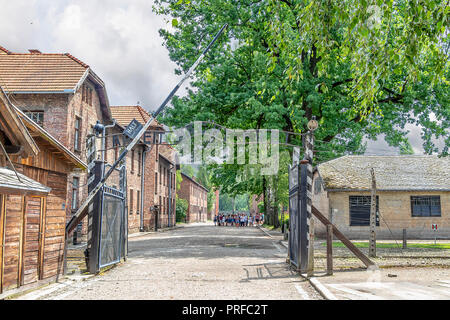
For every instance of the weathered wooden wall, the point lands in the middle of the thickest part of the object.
(12, 229)
(33, 227)
(55, 225)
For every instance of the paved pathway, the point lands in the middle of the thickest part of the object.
(198, 261)
(389, 284)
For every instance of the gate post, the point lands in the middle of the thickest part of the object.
(306, 198)
(294, 213)
(94, 212)
(329, 249)
(304, 218)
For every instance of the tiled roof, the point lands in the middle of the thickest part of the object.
(183, 175)
(4, 50)
(39, 72)
(399, 173)
(9, 182)
(125, 114)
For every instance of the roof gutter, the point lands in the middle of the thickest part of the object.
(80, 82)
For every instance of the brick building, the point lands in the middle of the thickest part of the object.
(115, 141)
(64, 96)
(197, 198)
(254, 209)
(151, 198)
(413, 192)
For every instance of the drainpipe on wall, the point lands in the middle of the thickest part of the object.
(171, 166)
(104, 137)
(141, 228)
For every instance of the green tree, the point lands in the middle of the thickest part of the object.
(204, 178)
(359, 70)
(188, 170)
(225, 202)
(361, 67)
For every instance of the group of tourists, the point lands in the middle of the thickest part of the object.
(238, 220)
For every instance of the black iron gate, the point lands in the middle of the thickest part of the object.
(298, 216)
(107, 232)
(112, 227)
(294, 221)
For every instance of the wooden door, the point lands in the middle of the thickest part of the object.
(31, 241)
(12, 240)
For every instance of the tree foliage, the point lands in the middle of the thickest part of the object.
(362, 68)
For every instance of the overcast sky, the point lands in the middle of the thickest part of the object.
(118, 39)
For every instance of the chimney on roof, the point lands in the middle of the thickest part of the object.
(34, 51)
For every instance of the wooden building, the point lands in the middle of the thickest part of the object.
(32, 202)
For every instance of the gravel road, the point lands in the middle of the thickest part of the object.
(197, 261)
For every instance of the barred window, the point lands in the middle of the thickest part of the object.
(131, 201)
(75, 188)
(425, 206)
(36, 116)
(360, 210)
(138, 201)
(77, 134)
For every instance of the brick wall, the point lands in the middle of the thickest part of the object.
(196, 198)
(254, 205)
(154, 192)
(60, 111)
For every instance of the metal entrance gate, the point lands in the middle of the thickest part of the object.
(107, 232)
(111, 227)
(298, 216)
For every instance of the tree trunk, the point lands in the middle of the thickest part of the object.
(276, 207)
(266, 205)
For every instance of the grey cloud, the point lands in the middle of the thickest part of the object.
(119, 40)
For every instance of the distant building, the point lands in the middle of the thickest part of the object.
(197, 197)
(413, 192)
(254, 209)
(151, 186)
(216, 203)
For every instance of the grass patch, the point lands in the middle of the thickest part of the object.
(442, 246)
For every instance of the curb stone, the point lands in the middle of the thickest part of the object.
(315, 283)
(324, 292)
(320, 288)
(263, 230)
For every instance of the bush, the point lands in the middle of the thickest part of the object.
(181, 209)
